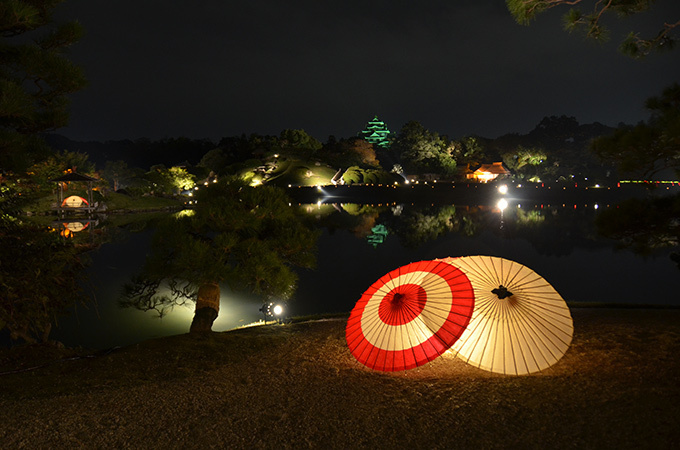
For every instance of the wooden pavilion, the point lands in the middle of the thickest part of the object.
(488, 172)
(74, 203)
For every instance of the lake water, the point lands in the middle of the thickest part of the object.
(360, 243)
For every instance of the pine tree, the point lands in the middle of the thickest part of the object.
(588, 17)
(35, 78)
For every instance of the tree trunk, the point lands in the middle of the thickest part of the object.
(207, 308)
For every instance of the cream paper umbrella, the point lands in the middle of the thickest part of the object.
(519, 324)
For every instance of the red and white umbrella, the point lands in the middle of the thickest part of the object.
(410, 316)
(520, 324)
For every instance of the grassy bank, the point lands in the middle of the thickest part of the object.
(114, 202)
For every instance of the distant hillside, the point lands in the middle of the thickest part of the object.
(565, 142)
(553, 134)
(142, 153)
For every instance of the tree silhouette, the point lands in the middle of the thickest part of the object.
(242, 236)
(421, 150)
(41, 274)
(651, 147)
(524, 11)
(35, 78)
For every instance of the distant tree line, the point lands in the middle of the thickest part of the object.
(557, 149)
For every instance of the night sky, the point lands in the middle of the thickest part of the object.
(214, 68)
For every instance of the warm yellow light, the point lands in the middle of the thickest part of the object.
(185, 213)
(502, 204)
(74, 201)
(502, 189)
(75, 227)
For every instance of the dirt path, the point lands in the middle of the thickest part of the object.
(297, 386)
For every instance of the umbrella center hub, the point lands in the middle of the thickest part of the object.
(397, 299)
(501, 292)
(402, 306)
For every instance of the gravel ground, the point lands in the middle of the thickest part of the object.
(297, 386)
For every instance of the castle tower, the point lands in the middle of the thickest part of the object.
(376, 132)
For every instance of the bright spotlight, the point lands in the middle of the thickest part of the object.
(502, 189)
(502, 204)
(278, 309)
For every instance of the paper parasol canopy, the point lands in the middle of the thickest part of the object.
(74, 201)
(410, 316)
(519, 325)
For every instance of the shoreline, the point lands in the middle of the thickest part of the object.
(470, 193)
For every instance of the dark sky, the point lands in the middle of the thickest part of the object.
(214, 68)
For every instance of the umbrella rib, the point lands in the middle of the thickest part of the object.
(552, 305)
(519, 320)
(549, 325)
(474, 331)
(473, 270)
(514, 342)
(545, 330)
(413, 331)
(408, 335)
(496, 324)
(531, 285)
(518, 350)
(488, 275)
(433, 336)
(486, 304)
(538, 345)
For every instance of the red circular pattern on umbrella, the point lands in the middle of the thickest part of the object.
(402, 304)
(410, 316)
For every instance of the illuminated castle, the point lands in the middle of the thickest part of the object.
(376, 132)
